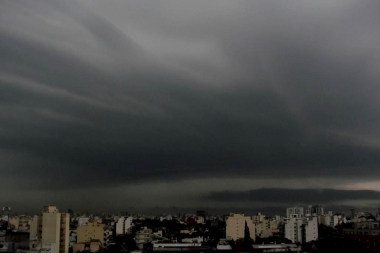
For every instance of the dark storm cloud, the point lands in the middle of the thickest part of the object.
(304, 196)
(279, 90)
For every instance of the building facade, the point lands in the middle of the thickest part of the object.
(235, 227)
(124, 225)
(143, 236)
(366, 233)
(83, 221)
(294, 212)
(266, 228)
(20, 223)
(49, 232)
(300, 230)
(91, 234)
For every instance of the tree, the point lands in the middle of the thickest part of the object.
(247, 238)
(247, 234)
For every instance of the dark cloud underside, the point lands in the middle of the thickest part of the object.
(137, 92)
(303, 196)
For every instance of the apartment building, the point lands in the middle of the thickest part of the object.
(20, 222)
(143, 236)
(49, 231)
(124, 225)
(89, 237)
(266, 228)
(294, 212)
(300, 230)
(235, 226)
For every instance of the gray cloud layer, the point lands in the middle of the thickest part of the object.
(304, 196)
(104, 94)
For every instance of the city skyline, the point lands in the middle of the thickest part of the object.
(170, 105)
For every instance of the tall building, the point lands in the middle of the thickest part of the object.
(294, 212)
(293, 230)
(300, 230)
(124, 225)
(353, 213)
(308, 211)
(311, 229)
(49, 232)
(235, 227)
(317, 210)
(331, 220)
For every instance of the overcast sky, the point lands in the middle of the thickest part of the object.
(168, 105)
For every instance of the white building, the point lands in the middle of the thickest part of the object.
(124, 225)
(301, 229)
(331, 221)
(83, 221)
(311, 229)
(235, 227)
(198, 239)
(293, 229)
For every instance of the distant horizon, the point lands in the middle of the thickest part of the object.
(269, 212)
(165, 105)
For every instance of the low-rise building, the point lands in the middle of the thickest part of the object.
(90, 246)
(367, 233)
(20, 223)
(176, 247)
(198, 239)
(89, 236)
(143, 236)
(276, 248)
